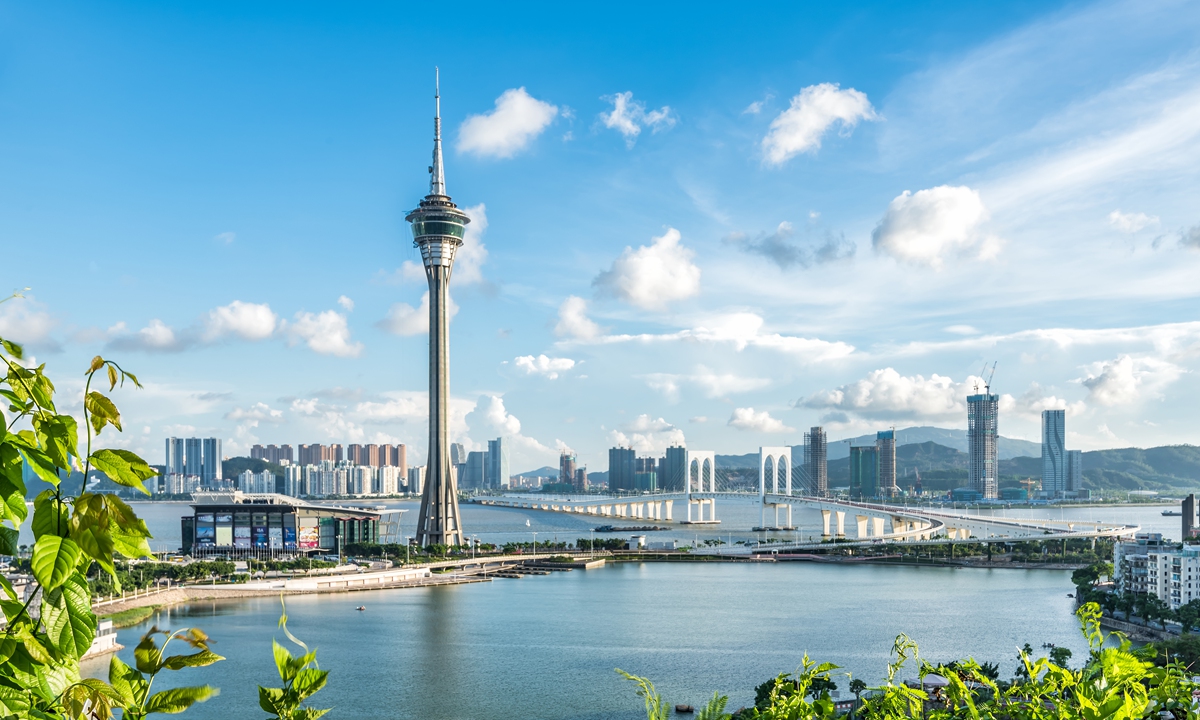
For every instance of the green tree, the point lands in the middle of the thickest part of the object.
(40, 652)
(1060, 655)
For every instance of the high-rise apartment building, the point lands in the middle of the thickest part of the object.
(497, 464)
(193, 456)
(416, 479)
(1074, 471)
(645, 473)
(864, 471)
(581, 479)
(475, 475)
(885, 443)
(1055, 477)
(816, 464)
(621, 469)
(983, 434)
(672, 470)
(175, 454)
(566, 468)
(210, 463)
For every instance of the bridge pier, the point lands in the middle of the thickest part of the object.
(877, 527)
(841, 523)
(825, 522)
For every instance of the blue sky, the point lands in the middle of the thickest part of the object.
(690, 224)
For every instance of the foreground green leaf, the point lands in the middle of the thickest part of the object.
(54, 559)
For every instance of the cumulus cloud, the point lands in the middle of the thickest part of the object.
(405, 320)
(629, 116)
(24, 321)
(816, 109)
(547, 367)
(471, 255)
(647, 435)
(517, 119)
(157, 336)
(249, 321)
(394, 407)
(886, 394)
(653, 275)
(782, 247)
(326, 333)
(1035, 400)
(711, 384)
(573, 321)
(260, 412)
(1128, 379)
(925, 227)
(490, 419)
(1131, 222)
(346, 303)
(748, 419)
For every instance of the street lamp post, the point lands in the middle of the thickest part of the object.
(407, 549)
(535, 543)
(592, 552)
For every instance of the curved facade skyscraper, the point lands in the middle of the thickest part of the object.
(438, 228)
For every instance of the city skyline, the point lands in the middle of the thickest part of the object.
(840, 231)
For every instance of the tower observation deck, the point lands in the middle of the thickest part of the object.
(438, 227)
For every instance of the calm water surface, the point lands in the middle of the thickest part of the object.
(545, 647)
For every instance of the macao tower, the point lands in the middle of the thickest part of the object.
(438, 227)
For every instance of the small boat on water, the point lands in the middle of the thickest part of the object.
(1172, 513)
(360, 608)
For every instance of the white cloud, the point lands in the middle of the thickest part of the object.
(886, 394)
(712, 384)
(24, 321)
(698, 419)
(925, 227)
(395, 407)
(573, 321)
(1034, 400)
(469, 259)
(653, 276)
(1131, 222)
(756, 107)
(346, 303)
(326, 333)
(629, 116)
(258, 411)
(157, 336)
(647, 435)
(1128, 379)
(817, 108)
(508, 129)
(547, 367)
(490, 419)
(741, 330)
(225, 238)
(249, 321)
(961, 330)
(405, 320)
(748, 419)
(1190, 238)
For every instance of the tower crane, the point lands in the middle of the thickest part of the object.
(987, 385)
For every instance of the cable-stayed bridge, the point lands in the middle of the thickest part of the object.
(694, 502)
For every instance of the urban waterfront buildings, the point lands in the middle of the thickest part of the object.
(983, 435)
(1075, 472)
(864, 471)
(622, 469)
(238, 524)
(1054, 452)
(438, 227)
(1153, 566)
(885, 444)
(497, 463)
(672, 473)
(191, 462)
(816, 464)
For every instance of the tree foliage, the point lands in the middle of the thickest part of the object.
(41, 646)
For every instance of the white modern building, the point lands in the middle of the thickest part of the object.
(1151, 566)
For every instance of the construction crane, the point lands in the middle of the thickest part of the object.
(987, 386)
(1029, 484)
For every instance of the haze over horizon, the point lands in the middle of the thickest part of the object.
(673, 239)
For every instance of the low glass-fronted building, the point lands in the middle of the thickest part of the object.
(241, 524)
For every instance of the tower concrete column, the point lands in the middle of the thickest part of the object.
(862, 526)
(438, 228)
(841, 523)
(825, 522)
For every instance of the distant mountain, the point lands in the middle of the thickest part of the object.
(957, 439)
(545, 471)
(234, 466)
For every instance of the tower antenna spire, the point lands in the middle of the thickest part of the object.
(437, 174)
